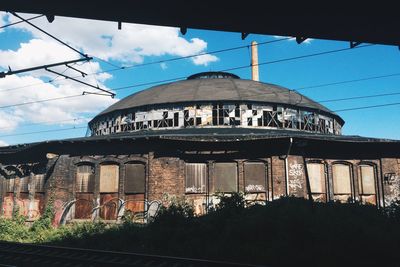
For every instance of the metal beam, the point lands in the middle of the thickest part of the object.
(87, 84)
(11, 72)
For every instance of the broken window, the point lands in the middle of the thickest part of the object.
(84, 181)
(225, 177)
(196, 177)
(341, 179)
(254, 175)
(367, 184)
(109, 177)
(135, 177)
(316, 175)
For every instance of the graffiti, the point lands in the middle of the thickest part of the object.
(294, 185)
(389, 178)
(254, 188)
(295, 169)
(194, 189)
(393, 182)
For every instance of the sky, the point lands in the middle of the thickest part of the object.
(26, 118)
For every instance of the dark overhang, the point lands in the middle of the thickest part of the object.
(255, 142)
(374, 23)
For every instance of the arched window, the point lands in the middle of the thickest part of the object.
(84, 188)
(109, 181)
(84, 182)
(341, 181)
(196, 177)
(316, 175)
(225, 177)
(367, 184)
(135, 178)
(254, 177)
(135, 186)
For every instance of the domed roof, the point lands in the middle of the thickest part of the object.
(215, 87)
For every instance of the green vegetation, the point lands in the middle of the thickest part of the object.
(287, 231)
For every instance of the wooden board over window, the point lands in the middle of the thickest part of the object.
(316, 174)
(109, 177)
(84, 181)
(9, 184)
(24, 184)
(367, 185)
(225, 178)
(196, 177)
(39, 182)
(254, 175)
(341, 179)
(135, 178)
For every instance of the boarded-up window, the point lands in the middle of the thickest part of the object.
(367, 185)
(39, 182)
(24, 184)
(225, 178)
(9, 184)
(135, 177)
(316, 174)
(254, 175)
(196, 177)
(341, 179)
(109, 177)
(84, 178)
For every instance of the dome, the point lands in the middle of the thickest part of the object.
(215, 87)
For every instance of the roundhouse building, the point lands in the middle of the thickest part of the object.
(213, 132)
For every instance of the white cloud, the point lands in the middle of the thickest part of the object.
(306, 41)
(2, 143)
(65, 110)
(102, 39)
(129, 45)
(3, 20)
(163, 65)
(204, 59)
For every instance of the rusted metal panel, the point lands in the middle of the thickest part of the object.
(134, 203)
(83, 205)
(254, 175)
(38, 206)
(316, 174)
(109, 177)
(84, 181)
(196, 178)
(225, 178)
(109, 206)
(8, 205)
(341, 179)
(367, 185)
(23, 204)
(135, 178)
(370, 199)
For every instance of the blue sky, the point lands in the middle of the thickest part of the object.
(21, 46)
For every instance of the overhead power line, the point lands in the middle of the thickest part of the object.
(18, 22)
(50, 35)
(181, 78)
